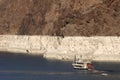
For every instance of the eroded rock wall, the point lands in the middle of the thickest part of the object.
(95, 48)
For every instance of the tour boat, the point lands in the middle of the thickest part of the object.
(82, 64)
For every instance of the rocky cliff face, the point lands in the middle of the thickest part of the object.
(60, 17)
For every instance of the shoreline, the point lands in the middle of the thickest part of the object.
(54, 59)
(97, 48)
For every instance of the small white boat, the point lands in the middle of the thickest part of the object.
(82, 64)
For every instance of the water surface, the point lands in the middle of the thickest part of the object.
(26, 67)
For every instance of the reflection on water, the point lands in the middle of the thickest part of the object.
(35, 72)
(25, 67)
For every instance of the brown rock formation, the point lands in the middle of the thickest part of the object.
(60, 17)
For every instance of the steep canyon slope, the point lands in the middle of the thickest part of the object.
(60, 17)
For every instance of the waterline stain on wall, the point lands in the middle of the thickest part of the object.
(95, 48)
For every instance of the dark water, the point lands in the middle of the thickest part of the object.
(24, 67)
(112, 67)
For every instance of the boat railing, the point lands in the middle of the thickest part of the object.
(78, 59)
